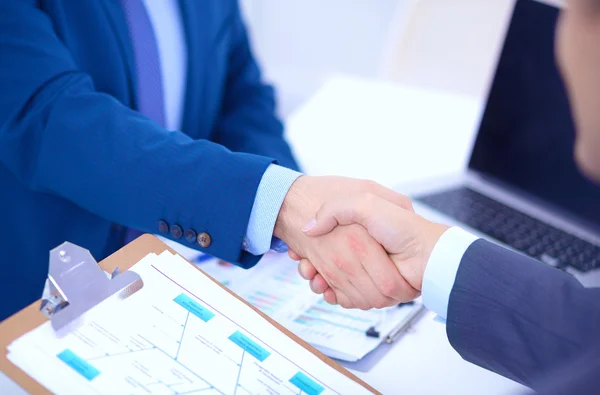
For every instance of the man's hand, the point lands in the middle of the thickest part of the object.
(406, 236)
(355, 266)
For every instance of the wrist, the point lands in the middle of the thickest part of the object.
(432, 232)
(294, 211)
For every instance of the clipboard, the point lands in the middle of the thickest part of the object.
(30, 317)
(369, 361)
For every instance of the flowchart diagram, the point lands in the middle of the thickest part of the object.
(170, 338)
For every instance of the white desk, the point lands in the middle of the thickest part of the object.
(395, 135)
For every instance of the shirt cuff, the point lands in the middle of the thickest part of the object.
(442, 267)
(273, 187)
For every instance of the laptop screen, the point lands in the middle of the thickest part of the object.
(527, 134)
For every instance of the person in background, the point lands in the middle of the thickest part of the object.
(119, 117)
(505, 311)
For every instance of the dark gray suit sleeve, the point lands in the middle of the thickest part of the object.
(518, 317)
(578, 377)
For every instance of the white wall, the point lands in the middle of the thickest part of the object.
(447, 45)
(301, 42)
(450, 45)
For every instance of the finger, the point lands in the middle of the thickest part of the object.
(293, 255)
(370, 292)
(371, 255)
(383, 220)
(306, 269)
(391, 196)
(358, 209)
(224, 263)
(389, 286)
(334, 213)
(330, 297)
(371, 279)
(348, 296)
(318, 284)
(343, 288)
(344, 301)
(367, 287)
(347, 263)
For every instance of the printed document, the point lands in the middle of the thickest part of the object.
(180, 334)
(275, 287)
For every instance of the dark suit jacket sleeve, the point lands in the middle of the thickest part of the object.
(60, 136)
(516, 316)
(580, 376)
(248, 121)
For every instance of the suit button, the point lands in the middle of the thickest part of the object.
(190, 235)
(176, 231)
(163, 227)
(203, 239)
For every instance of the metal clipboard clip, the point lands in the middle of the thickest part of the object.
(76, 283)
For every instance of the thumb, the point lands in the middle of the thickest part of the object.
(320, 225)
(334, 213)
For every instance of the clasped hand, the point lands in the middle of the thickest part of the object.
(365, 248)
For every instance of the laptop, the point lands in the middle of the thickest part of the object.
(522, 188)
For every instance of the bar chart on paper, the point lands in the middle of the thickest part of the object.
(325, 320)
(275, 287)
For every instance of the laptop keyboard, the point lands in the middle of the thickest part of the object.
(516, 229)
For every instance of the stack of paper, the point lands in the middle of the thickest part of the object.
(181, 333)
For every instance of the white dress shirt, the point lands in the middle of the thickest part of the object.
(442, 267)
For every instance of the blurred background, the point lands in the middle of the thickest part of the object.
(439, 44)
(364, 82)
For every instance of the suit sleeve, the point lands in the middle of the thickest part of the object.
(516, 316)
(58, 135)
(248, 120)
(578, 376)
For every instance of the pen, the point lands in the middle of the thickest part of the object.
(404, 325)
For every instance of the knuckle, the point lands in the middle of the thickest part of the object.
(330, 277)
(330, 297)
(362, 303)
(343, 266)
(339, 263)
(389, 287)
(356, 243)
(381, 303)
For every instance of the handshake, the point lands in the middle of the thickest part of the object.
(360, 244)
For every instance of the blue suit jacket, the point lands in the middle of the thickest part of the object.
(525, 320)
(76, 159)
